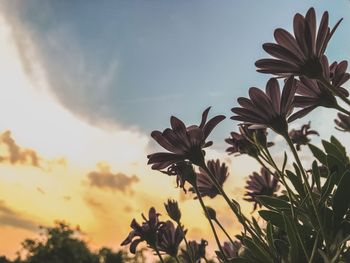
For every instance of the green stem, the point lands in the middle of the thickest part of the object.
(177, 260)
(314, 249)
(208, 217)
(159, 255)
(306, 182)
(334, 90)
(341, 109)
(223, 230)
(187, 246)
(241, 219)
(290, 193)
(281, 175)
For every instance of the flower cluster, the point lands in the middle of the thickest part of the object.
(308, 220)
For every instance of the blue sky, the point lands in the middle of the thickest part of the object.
(135, 63)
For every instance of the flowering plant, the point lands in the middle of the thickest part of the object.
(305, 208)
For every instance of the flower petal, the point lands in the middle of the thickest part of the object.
(273, 91)
(285, 39)
(301, 113)
(204, 117)
(211, 125)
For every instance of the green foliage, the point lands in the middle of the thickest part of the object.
(62, 244)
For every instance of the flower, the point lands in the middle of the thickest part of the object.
(146, 232)
(268, 109)
(244, 142)
(230, 250)
(184, 173)
(313, 94)
(301, 54)
(299, 137)
(260, 184)
(173, 210)
(338, 75)
(183, 143)
(197, 251)
(204, 183)
(170, 238)
(343, 123)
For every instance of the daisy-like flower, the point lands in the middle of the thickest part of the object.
(313, 94)
(169, 238)
(173, 210)
(184, 172)
(300, 137)
(338, 76)
(148, 231)
(230, 250)
(260, 184)
(204, 183)
(301, 54)
(183, 143)
(243, 142)
(270, 109)
(343, 122)
(197, 251)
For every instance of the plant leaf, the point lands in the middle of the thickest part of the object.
(341, 199)
(318, 153)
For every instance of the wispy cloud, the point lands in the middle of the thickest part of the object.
(9, 217)
(103, 178)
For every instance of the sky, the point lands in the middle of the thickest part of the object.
(83, 84)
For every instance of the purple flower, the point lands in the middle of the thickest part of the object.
(173, 210)
(270, 109)
(145, 232)
(313, 94)
(184, 172)
(197, 251)
(299, 137)
(170, 238)
(183, 143)
(301, 54)
(343, 123)
(244, 142)
(338, 76)
(204, 183)
(260, 184)
(230, 250)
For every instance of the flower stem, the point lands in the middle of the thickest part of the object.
(185, 239)
(341, 109)
(289, 192)
(223, 230)
(208, 217)
(241, 218)
(159, 255)
(306, 182)
(177, 260)
(334, 90)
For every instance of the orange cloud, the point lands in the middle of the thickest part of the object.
(9, 217)
(104, 178)
(15, 154)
